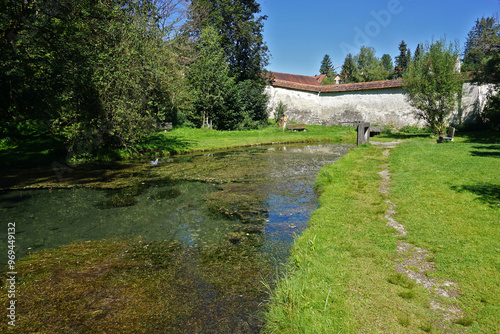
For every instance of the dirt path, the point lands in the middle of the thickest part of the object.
(415, 262)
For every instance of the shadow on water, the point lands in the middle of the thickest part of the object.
(487, 193)
(183, 247)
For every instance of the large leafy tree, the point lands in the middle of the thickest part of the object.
(240, 33)
(209, 77)
(99, 73)
(369, 66)
(241, 40)
(432, 85)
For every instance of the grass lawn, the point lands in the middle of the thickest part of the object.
(31, 147)
(184, 140)
(341, 277)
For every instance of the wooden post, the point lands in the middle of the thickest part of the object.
(363, 133)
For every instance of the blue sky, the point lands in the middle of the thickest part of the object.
(299, 33)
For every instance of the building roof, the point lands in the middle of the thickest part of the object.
(313, 84)
(297, 78)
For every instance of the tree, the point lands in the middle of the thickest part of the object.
(326, 65)
(97, 73)
(403, 60)
(240, 33)
(387, 66)
(246, 54)
(368, 65)
(210, 80)
(481, 43)
(432, 85)
(418, 52)
(349, 70)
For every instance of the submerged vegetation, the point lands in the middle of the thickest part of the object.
(135, 286)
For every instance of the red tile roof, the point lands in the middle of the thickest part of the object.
(312, 84)
(296, 78)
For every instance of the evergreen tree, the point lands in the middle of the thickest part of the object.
(388, 66)
(480, 43)
(349, 71)
(403, 60)
(240, 33)
(418, 52)
(326, 65)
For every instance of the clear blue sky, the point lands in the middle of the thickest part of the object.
(300, 32)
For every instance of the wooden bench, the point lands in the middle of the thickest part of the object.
(164, 126)
(451, 134)
(297, 127)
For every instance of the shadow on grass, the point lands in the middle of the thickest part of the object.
(492, 151)
(32, 151)
(404, 135)
(487, 193)
(483, 137)
(162, 142)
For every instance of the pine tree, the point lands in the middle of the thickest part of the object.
(479, 46)
(326, 66)
(388, 65)
(402, 60)
(349, 70)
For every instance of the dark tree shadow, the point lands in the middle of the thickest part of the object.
(492, 151)
(487, 193)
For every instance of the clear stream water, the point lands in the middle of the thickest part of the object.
(49, 218)
(196, 200)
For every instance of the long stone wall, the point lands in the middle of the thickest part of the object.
(381, 103)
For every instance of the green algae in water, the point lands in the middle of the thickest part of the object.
(116, 202)
(166, 194)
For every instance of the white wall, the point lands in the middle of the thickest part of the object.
(382, 106)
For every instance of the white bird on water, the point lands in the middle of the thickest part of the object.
(154, 163)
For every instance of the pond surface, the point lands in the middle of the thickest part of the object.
(198, 201)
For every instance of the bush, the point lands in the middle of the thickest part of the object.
(279, 113)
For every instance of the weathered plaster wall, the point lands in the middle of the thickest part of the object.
(386, 106)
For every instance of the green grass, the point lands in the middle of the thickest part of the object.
(37, 146)
(184, 140)
(341, 277)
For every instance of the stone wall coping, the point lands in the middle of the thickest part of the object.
(338, 88)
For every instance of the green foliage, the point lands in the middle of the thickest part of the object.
(403, 60)
(102, 73)
(209, 77)
(388, 66)
(481, 44)
(491, 112)
(349, 70)
(369, 66)
(280, 111)
(240, 33)
(432, 84)
(326, 66)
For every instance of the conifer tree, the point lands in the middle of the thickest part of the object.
(402, 60)
(326, 65)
